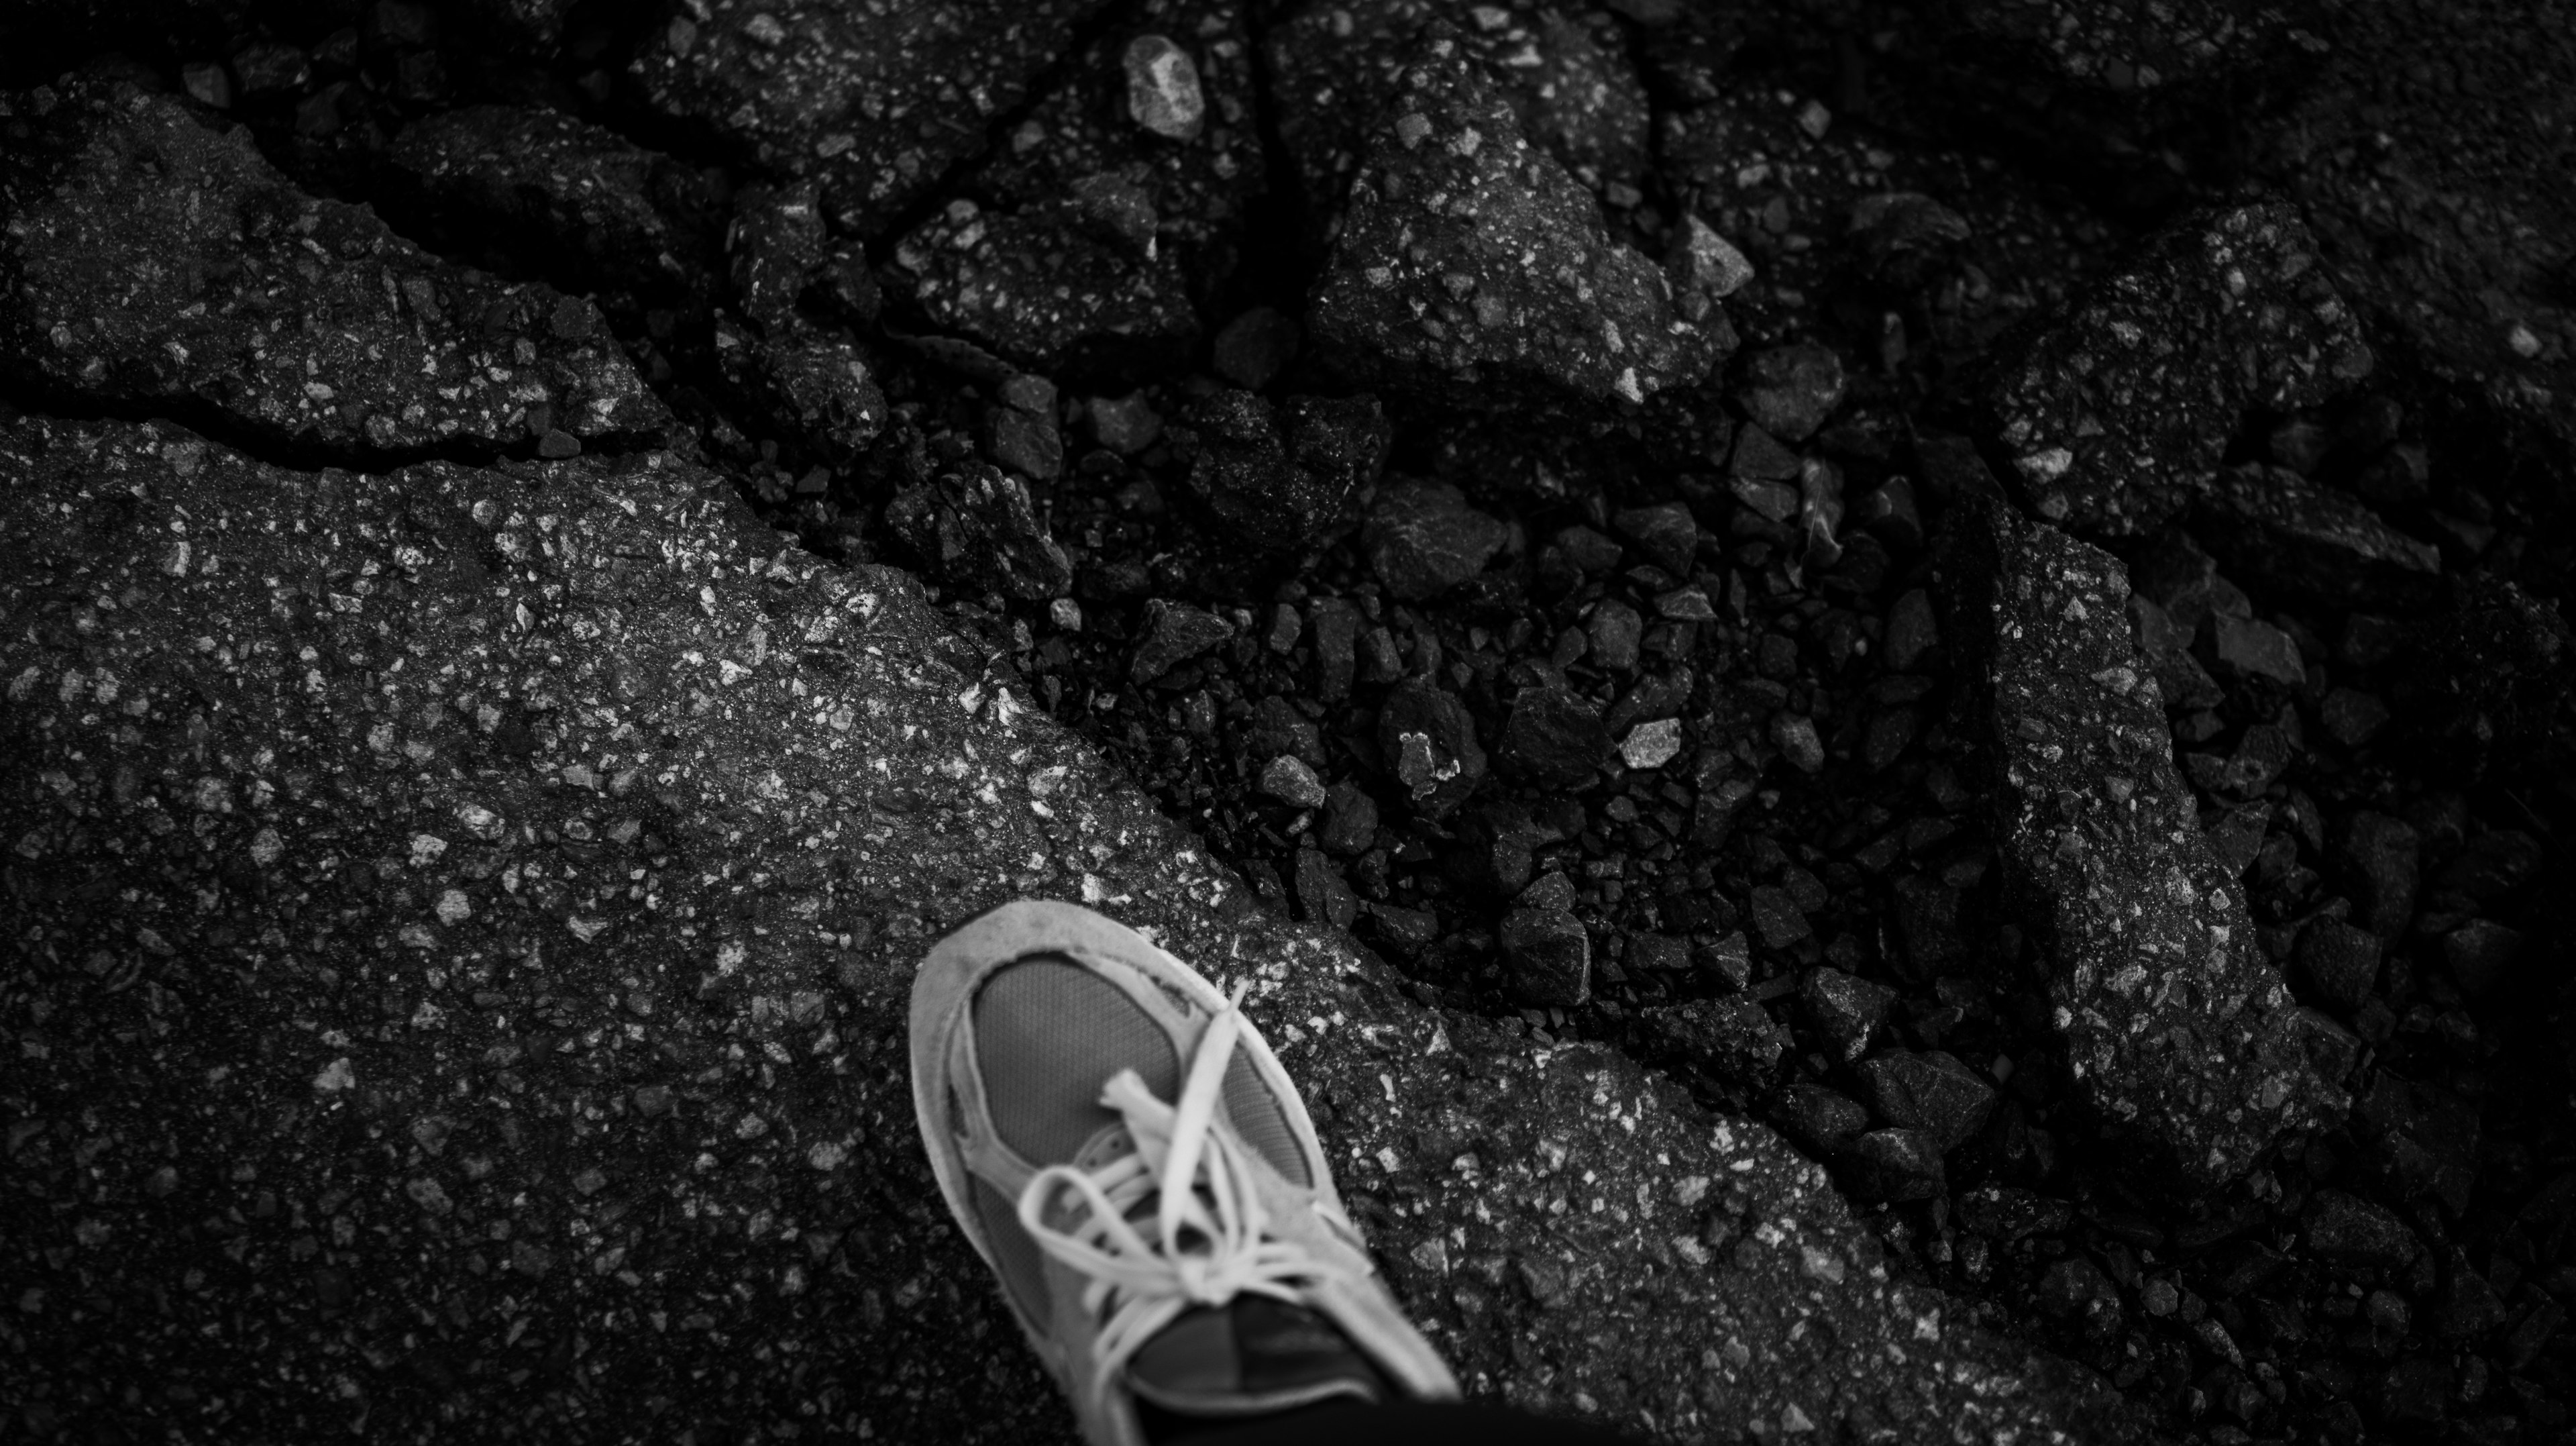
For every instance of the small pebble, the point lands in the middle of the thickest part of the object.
(1789, 391)
(1652, 745)
(1163, 88)
(1610, 638)
(1125, 425)
(2352, 717)
(208, 84)
(1794, 734)
(1705, 262)
(1686, 605)
(2257, 648)
(1290, 781)
(1029, 392)
(1255, 347)
(1285, 626)
(1912, 631)
(265, 67)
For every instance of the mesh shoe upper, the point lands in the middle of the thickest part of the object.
(1045, 1020)
(1121, 1146)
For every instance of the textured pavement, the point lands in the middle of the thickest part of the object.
(459, 928)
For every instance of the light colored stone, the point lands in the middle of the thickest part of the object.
(1652, 745)
(1163, 88)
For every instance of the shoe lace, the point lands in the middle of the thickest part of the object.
(1205, 1241)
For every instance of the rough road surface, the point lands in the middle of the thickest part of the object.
(467, 917)
(1477, 474)
(150, 261)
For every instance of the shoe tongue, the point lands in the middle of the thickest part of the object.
(1253, 1354)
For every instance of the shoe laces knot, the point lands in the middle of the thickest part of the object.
(1205, 1241)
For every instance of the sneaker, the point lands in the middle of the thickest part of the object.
(1129, 1157)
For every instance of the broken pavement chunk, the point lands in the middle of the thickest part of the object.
(1092, 220)
(1042, 287)
(2116, 412)
(2176, 1026)
(577, 202)
(1732, 1038)
(865, 97)
(2318, 544)
(1333, 66)
(155, 260)
(1473, 270)
(1152, 190)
